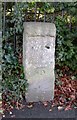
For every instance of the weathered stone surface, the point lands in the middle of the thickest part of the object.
(39, 60)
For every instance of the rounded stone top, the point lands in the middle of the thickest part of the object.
(39, 29)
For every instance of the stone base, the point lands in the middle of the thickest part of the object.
(41, 86)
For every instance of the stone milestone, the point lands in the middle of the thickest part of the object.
(39, 60)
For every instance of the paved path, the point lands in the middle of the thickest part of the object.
(40, 111)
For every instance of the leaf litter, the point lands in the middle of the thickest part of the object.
(65, 93)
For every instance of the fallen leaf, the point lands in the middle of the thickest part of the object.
(50, 110)
(68, 108)
(60, 108)
(30, 106)
(3, 115)
(10, 112)
(53, 105)
(45, 103)
(72, 96)
(13, 116)
(22, 106)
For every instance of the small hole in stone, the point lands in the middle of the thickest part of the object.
(32, 47)
(47, 47)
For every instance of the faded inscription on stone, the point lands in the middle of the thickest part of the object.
(39, 60)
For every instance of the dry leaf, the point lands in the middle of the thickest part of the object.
(50, 110)
(60, 108)
(68, 108)
(10, 113)
(30, 106)
(72, 96)
(3, 115)
(12, 116)
(45, 103)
